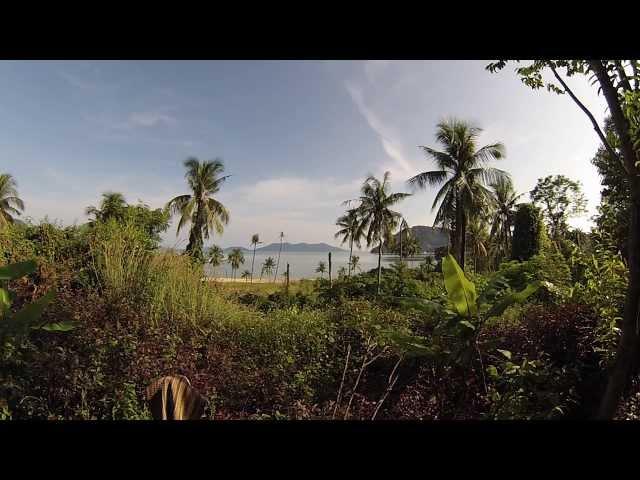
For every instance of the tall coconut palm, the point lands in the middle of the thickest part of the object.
(267, 267)
(113, 205)
(216, 256)
(275, 275)
(463, 173)
(350, 231)
(321, 268)
(204, 212)
(255, 240)
(235, 258)
(503, 203)
(377, 218)
(10, 203)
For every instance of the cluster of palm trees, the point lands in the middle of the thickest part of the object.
(372, 219)
(473, 195)
(235, 258)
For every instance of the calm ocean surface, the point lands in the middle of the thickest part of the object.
(302, 264)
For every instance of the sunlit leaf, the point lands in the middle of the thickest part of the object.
(461, 292)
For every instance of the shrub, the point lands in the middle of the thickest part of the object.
(528, 232)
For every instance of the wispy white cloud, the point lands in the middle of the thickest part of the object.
(391, 146)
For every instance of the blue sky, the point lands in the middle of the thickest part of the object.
(297, 137)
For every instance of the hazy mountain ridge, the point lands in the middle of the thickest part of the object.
(291, 247)
(429, 238)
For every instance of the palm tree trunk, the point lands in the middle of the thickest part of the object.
(350, 254)
(253, 260)
(460, 231)
(379, 265)
(275, 275)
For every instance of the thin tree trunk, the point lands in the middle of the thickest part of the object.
(275, 275)
(253, 260)
(379, 265)
(350, 254)
(400, 242)
(330, 277)
(627, 353)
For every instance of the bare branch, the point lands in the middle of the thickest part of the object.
(596, 127)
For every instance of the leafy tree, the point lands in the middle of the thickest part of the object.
(10, 203)
(463, 174)
(560, 198)
(350, 231)
(267, 267)
(235, 258)
(527, 232)
(216, 256)
(112, 205)
(246, 275)
(619, 83)
(199, 208)
(354, 263)
(503, 203)
(153, 222)
(378, 220)
(321, 268)
(614, 210)
(255, 240)
(478, 240)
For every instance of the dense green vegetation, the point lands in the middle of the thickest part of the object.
(526, 319)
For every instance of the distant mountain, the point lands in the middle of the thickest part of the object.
(429, 238)
(242, 249)
(300, 247)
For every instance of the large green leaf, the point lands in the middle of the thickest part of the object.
(58, 326)
(462, 293)
(17, 270)
(22, 321)
(5, 302)
(512, 298)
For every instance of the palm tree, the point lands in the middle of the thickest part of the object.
(463, 171)
(255, 240)
(216, 256)
(113, 205)
(246, 275)
(350, 231)
(377, 218)
(275, 275)
(478, 238)
(235, 258)
(342, 272)
(204, 212)
(403, 226)
(267, 266)
(321, 268)
(354, 263)
(503, 202)
(10, 203)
